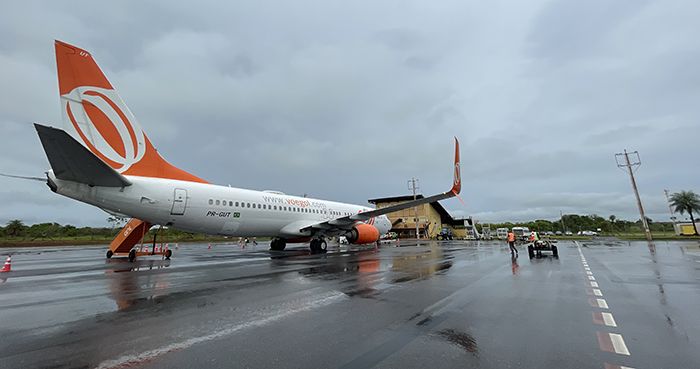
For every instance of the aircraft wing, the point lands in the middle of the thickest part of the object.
(346, 222)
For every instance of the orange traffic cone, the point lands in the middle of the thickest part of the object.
(8, 265)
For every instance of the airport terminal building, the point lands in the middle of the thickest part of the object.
(431, 218)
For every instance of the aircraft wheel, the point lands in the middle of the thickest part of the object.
(314, 246)
(278, 244)
(322, 246)
(168, 254)
(530, 252)
(132, 255)
(555, 252)
(109, 254)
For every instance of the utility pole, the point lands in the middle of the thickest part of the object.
(413, 185)
(561, 218)
(629, 164)
(670, 209)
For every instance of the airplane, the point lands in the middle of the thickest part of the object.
(102, 157)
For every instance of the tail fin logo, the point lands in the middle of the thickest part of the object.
(457, 179)
(101, 121)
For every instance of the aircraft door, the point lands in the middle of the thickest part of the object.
(179, 202)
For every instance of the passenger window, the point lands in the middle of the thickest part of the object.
(259, 206)
(275, 207)
(211, 202)
(236, 203)
(217, 202)
(230, 203)
(247, 205)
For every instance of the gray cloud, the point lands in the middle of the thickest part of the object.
(347, 101)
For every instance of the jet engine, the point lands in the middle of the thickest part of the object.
(362, 233)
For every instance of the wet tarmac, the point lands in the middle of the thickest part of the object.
(437, 305)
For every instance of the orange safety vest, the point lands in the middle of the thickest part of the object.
(511, 237)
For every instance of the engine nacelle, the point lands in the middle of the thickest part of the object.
(363, 233)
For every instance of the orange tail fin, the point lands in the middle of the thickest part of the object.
(96, 116)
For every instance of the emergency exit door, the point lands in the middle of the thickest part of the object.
(179, 202)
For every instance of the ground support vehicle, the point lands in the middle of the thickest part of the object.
(536, 248)
(445, 234)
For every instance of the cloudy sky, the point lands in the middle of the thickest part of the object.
(347, 100)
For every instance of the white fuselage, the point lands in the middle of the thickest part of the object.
(213, 209)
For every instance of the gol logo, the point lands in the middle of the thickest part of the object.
(457, 179)
(99, 118)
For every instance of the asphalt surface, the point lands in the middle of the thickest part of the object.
(437, 305)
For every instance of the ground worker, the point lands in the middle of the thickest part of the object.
(511, 243)
(533, 236)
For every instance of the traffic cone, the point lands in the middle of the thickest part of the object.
(8, 265)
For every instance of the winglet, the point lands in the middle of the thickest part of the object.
(457, 182)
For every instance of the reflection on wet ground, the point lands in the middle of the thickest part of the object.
(129, 287)
(409, 306)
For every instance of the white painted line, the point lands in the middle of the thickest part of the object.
(602, 303)
(619, 344)
(597, 292)
(589, 272)
(133, 359)
(594, 284)
(592, 278)
(609, 320)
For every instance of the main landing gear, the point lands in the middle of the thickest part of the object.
(278, 244)
(318, 246)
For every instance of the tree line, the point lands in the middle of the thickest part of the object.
(17, 229)
(575, 223)
(683, 202)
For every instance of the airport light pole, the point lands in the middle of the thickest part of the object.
(413, 185)
(636, 162)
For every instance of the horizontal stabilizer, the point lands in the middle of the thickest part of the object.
(71, 161)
